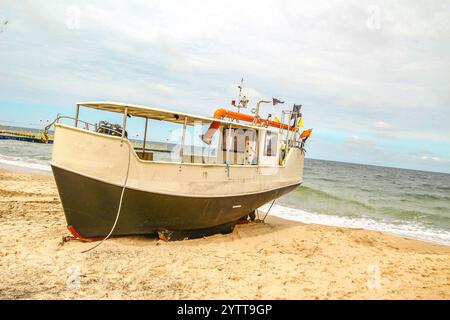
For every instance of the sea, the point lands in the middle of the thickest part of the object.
(409, 203)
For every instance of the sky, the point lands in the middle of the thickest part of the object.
(373, 76)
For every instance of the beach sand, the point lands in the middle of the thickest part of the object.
(277, 260)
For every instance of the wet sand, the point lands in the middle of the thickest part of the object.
(277, 260)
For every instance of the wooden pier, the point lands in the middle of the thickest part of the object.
(24, 136)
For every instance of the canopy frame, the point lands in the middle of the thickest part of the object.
(155, 114)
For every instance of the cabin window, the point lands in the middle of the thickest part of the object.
(231, 141)
(239, 146)
(163, 139)
(164, 142)
(235, 139)
(197, 150)
(270, 144)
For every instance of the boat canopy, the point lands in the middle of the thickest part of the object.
(157, 114)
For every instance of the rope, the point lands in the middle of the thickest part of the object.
(118, 209)
(45, 132)
(264, 219)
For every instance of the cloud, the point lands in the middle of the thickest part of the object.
(361, 142)
(427, 158)
(424, 155)
(381, 125)
(375, 70)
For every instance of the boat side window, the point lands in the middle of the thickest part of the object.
(239, 146)
(232, 141)
(270, 144)
(163, 140)
(195, 149)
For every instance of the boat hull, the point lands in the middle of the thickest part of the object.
(90, 207)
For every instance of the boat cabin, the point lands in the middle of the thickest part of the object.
(172, 136)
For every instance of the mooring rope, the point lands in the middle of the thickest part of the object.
(264, 219)
(45, 133)
(118, 209)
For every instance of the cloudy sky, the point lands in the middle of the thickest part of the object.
(373, 76)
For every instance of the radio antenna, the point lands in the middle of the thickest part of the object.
(239, 106)
(240, 88)
(243, 100)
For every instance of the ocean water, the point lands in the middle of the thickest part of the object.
(414, 204)
(26, 155)
(410, 203)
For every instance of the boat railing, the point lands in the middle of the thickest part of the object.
(87, 124)
(289, 138)
(143, 152)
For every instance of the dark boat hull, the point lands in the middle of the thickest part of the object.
(90, 207)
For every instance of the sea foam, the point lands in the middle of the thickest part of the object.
(25, 163)
(408, 229)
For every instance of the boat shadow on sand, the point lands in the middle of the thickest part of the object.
(247, 230)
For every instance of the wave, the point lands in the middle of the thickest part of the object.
(308, 192)
(328, 179)
(425, 196)
(378, 204)
(318, 193)
(410, 229)
(25, 163)
(402, 197)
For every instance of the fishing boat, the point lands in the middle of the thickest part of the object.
(223, 168)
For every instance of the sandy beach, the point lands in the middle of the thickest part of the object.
(277, 260)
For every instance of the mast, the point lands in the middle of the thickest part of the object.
(243, 100)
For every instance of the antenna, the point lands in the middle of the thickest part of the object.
(243, 100)
(240, 88)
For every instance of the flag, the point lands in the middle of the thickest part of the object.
(276, 101)
(295, 111)
(305, 134)
(276, 119)
(296, 108)
(300, 122)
